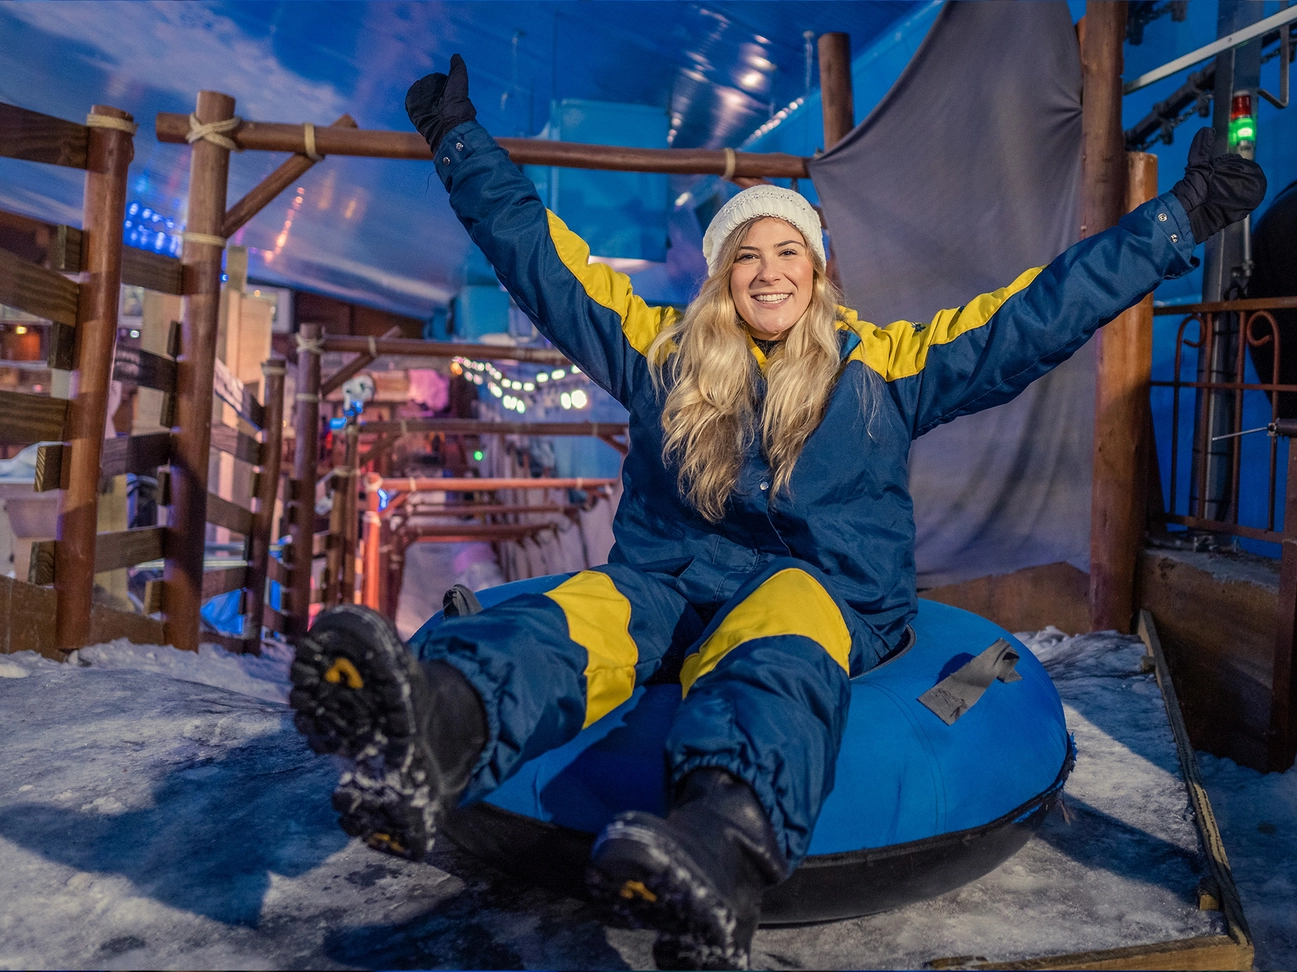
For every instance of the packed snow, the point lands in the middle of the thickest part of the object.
(158, 810)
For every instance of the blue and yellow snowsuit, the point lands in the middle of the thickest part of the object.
(765, 615)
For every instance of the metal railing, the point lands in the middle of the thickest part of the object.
(1219, 340)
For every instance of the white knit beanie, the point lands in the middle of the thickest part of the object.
(762, 201)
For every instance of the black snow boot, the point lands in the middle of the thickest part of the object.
(697, 876)
(413, 731)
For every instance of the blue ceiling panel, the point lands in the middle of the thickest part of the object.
(375, 231)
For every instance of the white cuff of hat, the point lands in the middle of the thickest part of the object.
(775, 201)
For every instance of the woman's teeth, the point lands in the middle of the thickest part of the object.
(772, 298)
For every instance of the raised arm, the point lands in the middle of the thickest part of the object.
(588, 311)
(986, 352)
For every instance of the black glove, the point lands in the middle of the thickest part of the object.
(437, 103)
(1219, 190)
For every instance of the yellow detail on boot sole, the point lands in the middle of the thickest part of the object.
(342, 668)
(636, 889)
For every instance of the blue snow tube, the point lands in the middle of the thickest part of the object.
(919, 807)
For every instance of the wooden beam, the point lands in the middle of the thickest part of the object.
(37, 291)
(62, 350)
(467, 532)
(60, 244)
(1225, 306)
(238, 444)
(278, 137)
(237, 216)
(1119, 498)
(1103, 200)
(208, 178)
(352, 367)
(217, 582)
(350, 514)
(301, 509)
(135, 454)
(460, 426)
(469, 485)
(259, 559)
(26, 418)
(152, 271)
(136, 366)
(494, 509)
(233, 517)
(1231, 905)
(444, 349)
(835, 87)
(35, 137)
(235, 394)
(113, 551)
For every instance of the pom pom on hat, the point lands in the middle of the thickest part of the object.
(775, 201)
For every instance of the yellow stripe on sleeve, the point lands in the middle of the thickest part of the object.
(598, 619)
(608, 288)
(791, 602)
(900, 349)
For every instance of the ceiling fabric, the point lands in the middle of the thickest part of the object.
(967, 173)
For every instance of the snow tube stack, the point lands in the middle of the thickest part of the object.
(921, 806)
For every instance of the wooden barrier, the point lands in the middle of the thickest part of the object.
(103, 147)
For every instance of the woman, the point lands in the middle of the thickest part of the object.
(764, 540)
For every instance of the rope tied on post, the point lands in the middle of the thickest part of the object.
(308, 138)
(731, 163)
(270, 369)
(307, 345)
(305, 397)
(373, 347)
(214, 132)
(204, 239)
(108, 121)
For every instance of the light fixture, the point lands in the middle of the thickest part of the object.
(579, 399)
(542, 378)
(20, 329)
(1242, 125)
(565, 400)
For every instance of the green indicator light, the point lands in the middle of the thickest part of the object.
(478, 454)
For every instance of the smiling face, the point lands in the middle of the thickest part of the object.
(772, 278)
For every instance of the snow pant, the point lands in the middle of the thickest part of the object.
(765, 683)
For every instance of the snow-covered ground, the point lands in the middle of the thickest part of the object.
(157, 810)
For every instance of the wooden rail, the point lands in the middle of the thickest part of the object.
(459, 426)
(280, 137)
(466, 484)
(444, 349)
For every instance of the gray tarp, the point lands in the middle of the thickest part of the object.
(967, 173)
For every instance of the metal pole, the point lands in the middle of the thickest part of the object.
(108, 155)
(209, 168)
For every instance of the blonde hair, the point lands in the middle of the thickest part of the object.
(709, 418)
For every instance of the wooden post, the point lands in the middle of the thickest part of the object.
(835, 87)
(108, 155)
(1119, 502)
(371, 581)
(350, 521)
(1103, 198)
(209, 168)
(263, 518)
(306, 457)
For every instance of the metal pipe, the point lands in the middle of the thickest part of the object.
(1228, 42)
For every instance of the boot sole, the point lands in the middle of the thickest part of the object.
(355, 699)
(634, 870)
